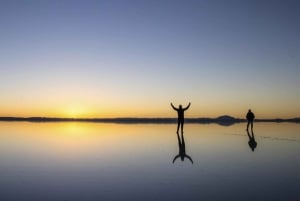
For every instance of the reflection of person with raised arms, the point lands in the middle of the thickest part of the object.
(181, 145)
(180, 112)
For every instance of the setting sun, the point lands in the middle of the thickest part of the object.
(75, 110)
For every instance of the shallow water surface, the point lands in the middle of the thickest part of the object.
(96, 161)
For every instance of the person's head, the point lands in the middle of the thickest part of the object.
(249, 110)
(180, 106)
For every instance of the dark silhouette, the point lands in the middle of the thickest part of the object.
(250, 117)
(180, 112)
(252, 143)
(181, 146)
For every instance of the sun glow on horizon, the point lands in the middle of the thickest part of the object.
(75, 111)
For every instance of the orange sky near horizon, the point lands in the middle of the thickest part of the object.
(133, 109)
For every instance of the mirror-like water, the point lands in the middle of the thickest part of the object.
(94, 161)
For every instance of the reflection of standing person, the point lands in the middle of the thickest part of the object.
(180, 112)
(252, 143)
(181, 145)
(250, 117)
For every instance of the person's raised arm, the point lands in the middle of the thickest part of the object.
(177, 156)
(187, 107)
(173, 107)
(190, 158)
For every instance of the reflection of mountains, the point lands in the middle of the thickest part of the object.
(222, 120)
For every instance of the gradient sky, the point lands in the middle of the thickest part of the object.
(132, 58)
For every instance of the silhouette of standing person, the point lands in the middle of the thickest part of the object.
(252, 143)
(181, 145)
(180, 112)
(250, 117)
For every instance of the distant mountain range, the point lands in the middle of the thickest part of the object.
(225, 120)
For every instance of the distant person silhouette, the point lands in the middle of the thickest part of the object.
(250, 117)
(252, 143)
(180, 112)
(182, 154)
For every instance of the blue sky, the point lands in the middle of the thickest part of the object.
(132, 58)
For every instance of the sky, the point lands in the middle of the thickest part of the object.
(132, 58)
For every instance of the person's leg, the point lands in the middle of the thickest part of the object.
(178, 124)
(251, 125)
(248, 124)
(181, 122)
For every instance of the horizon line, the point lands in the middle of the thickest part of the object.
(223, 120)
(142, 117)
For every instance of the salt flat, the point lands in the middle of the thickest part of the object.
(98, 161)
